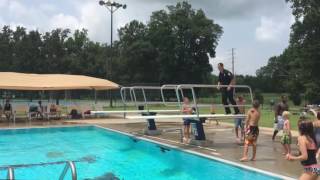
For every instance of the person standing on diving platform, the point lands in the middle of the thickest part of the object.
(227, 78)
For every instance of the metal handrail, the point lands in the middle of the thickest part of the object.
(69, 165)
(145, 101)
(10, 174)
(170, 87)
(179, 92)
(193, 86)
(161, 89)
(216, 86)
(123, 94)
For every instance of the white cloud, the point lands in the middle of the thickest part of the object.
(271, 29)
(3, 3)
(87, 15)
(17, 10)
(97, 20)
(64, 21)
(48, 7)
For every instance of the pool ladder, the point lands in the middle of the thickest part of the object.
(10, 173)
(69, 165)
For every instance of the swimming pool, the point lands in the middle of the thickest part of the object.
(101, 152)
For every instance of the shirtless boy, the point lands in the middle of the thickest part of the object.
(252, 131)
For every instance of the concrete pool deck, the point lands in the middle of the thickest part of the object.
(269, 154)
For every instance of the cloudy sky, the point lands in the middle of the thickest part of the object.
(257, 29)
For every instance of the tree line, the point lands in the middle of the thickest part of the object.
(296, 70)
(173, 47)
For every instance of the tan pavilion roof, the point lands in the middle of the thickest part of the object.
(22, 81)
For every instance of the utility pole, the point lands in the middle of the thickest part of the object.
(232, 50)
(233, 72)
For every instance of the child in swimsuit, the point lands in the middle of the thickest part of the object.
(239, 122)
(187, 110)
(252, 131)
(308, 150)
(286, 136)
(252, 134)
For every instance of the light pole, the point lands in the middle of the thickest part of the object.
(112, 7)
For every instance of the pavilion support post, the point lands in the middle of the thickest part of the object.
(95, 97)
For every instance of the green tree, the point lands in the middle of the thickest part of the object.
(6, 49)
(305, 37)
(138, 57)
(296, 70)
(173, 47)
(258, 96)
(184, 38)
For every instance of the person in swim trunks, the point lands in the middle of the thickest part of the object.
(239, 122)
(308, 149)
(286, 135)
(278, 120)
(252, 131)
(7, 110)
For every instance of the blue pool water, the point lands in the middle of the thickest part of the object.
(103, 151)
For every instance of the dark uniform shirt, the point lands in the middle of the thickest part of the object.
(225, 77)
(7, 107)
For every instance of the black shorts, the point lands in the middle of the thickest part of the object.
(186, 121)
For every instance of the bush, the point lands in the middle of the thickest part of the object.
(296, 98)
(312, 93)
(258, 96)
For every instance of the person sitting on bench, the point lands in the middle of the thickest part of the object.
(7, 110)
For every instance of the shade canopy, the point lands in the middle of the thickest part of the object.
(22, 81)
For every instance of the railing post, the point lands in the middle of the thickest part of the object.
(69, 165)
(10, 175)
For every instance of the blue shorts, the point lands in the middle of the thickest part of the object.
(186, 121)
(238, 122)
(280, 123)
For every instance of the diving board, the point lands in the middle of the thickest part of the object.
(211, 116)
(133, 111)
